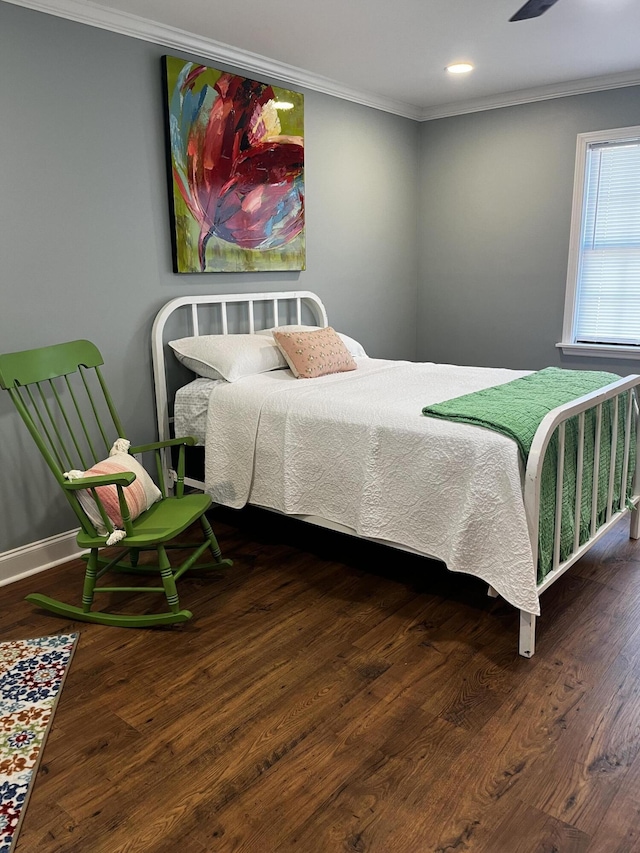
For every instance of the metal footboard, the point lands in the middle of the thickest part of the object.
(554, 422)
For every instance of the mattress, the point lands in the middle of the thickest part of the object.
(355, 449)
(191, 406)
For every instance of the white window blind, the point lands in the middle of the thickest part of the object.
(607, 306)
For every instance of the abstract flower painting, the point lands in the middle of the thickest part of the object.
(237, 171)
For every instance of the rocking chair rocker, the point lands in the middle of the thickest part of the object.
(62, 397)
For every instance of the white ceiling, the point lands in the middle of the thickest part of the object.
(392, 54)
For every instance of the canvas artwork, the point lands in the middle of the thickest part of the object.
(237, 171)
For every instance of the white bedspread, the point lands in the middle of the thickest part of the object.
(354, 448)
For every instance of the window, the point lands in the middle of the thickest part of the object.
(602, 308)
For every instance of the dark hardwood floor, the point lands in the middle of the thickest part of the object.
(330, 695)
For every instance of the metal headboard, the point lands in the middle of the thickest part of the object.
(256, 311)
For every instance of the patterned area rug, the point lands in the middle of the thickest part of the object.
(32, 673)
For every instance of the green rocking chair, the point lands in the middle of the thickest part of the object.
(62, 397)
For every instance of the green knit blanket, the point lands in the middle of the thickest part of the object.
(516, 410)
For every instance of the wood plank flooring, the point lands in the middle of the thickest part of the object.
(331, 695)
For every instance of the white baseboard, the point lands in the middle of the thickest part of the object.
(38, 556)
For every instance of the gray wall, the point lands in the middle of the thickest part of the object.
(84, 228)
(494, 219)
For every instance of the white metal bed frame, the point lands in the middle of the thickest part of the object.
(295, 301)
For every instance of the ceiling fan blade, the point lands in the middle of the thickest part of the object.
(532, 9)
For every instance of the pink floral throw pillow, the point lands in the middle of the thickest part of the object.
(313, 354)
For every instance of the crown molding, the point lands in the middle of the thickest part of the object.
(124, 23)
(528, 96)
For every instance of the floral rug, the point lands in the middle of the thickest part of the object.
(32, 673)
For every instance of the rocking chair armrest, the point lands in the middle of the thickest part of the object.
(124, 479)
(187, 440)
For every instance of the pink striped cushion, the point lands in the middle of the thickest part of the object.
(140, 495)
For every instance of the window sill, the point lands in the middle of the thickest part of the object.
(600, 350)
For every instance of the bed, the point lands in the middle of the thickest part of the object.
(352, 451)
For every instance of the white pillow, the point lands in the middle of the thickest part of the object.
(355, 348)
(228, 357)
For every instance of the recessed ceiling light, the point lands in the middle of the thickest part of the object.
(459, 68)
